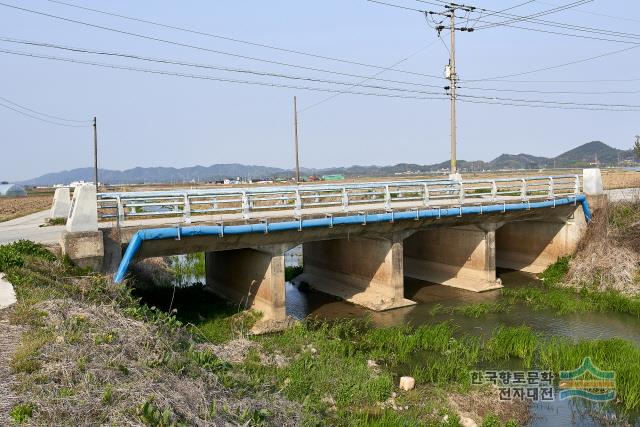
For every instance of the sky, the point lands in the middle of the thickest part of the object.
(162, 120)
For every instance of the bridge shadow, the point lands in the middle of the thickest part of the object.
(529, 245)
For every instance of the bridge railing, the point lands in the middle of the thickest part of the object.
(252, 202)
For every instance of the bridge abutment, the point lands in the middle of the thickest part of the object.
(532, 246)
(365, 271)
(253, 278)
(462, 257)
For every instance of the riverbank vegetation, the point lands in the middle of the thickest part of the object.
(101, 353)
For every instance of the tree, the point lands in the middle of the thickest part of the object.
(636, 147)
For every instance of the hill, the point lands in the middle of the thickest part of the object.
(582, 156)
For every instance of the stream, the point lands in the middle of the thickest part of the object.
(591, 325)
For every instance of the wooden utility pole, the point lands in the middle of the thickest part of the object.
(295, 130)
(95, 152)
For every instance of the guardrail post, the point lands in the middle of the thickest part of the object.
(461, 196)
(523, 191)
(551, 188)
(298, 204)
(345, 199)
(119, 208)
(387, 197)
(186, 211)
(577, 185)
(426, 194)
(246, 207)
(494, 191)
(214, 202)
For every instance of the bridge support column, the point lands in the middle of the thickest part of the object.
(253, 278)
(462, 257)
(364, 271)
(534, 245)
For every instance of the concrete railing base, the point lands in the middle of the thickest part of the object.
(61, 203)
(85, 249)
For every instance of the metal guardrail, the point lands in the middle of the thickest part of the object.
(252, 202)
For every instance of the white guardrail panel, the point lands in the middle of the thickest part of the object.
(298, 199)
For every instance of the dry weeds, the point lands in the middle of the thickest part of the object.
(477, 404)
(102, 367)
(608, 257)
(9, 340)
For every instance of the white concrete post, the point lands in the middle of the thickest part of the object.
(61, 203)
(592, 181)
(84, 209)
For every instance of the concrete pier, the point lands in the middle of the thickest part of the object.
(462, 257)
(252, 278)
(532, 246)
(365, 271)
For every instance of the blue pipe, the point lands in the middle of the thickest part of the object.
(221, 230)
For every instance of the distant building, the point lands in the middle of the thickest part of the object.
(336, 177)
(12, 190)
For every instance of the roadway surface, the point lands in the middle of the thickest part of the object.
(29, 228)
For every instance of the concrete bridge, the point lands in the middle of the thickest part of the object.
(359, 240)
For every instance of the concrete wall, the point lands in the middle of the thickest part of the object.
(365, 271)
(252, 278)
(533, 245)
(463, 257)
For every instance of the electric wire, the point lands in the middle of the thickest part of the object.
(198, 65)
(24, 113)
(196, 47)
(15, 104)
(550, 104)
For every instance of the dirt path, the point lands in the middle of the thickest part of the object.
(9, 339)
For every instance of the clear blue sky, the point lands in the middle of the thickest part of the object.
(153, 120)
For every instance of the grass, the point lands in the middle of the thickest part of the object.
(475, 311)
(568, 300)
(512, 342)
(57, 221)
(326, 374)
(291, 273)
(21, 413)
(614, 354)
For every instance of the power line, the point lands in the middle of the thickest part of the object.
(206, 66)
(221, 37)
(24, 113)
(554, 92)
(535, 15)
(540, 103)
(550, 67)
(553, 67)
(218, 79)
(589, 12)
(570, 27)
(42, 114)
(196, 47)
(322, 101)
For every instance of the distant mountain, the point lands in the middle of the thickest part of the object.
(157, 174)
(582, 156)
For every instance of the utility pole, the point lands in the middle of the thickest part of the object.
(95, 152)
(450, 71)
(452, 80)
(295, 130)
